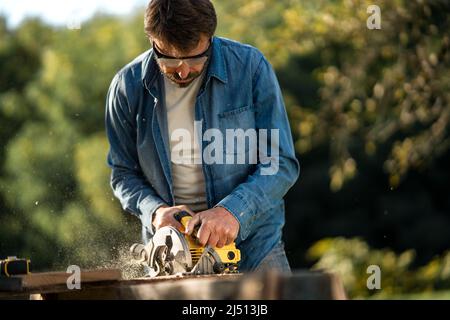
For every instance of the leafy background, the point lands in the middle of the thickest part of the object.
(369, 111)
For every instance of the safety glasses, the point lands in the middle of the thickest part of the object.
(172, 62)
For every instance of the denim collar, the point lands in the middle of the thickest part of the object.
(216, 67)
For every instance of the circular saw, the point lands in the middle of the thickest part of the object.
(171, 252)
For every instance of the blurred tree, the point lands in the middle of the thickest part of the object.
(56, 194)
(351, 258)
(377, 86)
(18, 64)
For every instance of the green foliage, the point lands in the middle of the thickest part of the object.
(350, 258)
(54, 179)
(377, 87)
(93, 179)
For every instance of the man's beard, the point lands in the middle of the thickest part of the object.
(175, 78)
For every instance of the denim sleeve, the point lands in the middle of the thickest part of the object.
(127, 180)
(265, 188)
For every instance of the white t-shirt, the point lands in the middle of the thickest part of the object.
(187, 174)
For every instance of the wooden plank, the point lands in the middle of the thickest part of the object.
(271, 285)
(49, 280)
(312, 285)
(196, 288)
(60, 278)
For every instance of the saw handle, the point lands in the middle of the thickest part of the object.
(184, 217)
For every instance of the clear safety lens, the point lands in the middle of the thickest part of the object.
(175, 63)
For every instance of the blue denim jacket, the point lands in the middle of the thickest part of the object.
(240, 90)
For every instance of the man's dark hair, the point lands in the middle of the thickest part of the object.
(180, 22)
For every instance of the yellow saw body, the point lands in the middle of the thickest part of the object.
(170, 251)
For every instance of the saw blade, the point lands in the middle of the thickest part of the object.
(178, 254)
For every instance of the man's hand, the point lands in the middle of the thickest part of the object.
(218, 227)
(164, 216)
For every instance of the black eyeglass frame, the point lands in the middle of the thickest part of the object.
(159, 55)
